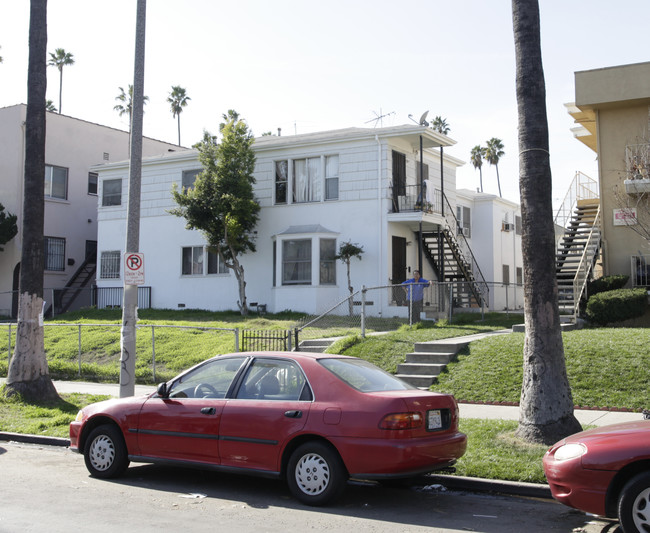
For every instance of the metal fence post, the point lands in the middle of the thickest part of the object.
(9, 347)
(288, 337)
(363, 311)
(236, 339)
(153, 351)
(79, 345)
(451, 301)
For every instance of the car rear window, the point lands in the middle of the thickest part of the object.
(363, 376)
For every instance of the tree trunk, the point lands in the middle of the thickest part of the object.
(239, 274)
(546, 407)
(28, 373)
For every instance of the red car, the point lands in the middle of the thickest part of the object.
(605, 471)
(312, 419)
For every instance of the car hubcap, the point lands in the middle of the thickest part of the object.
(641, 511)
(312, 474)
(102, 453)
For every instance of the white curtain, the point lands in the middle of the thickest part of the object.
(307, 180)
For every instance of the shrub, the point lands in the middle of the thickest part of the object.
(606, 283)
(616, 306)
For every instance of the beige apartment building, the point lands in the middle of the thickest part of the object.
(72, 147)
(612, 110)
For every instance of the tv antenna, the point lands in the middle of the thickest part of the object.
(379, 118)
(422, 121)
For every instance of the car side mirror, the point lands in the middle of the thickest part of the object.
(162, 390)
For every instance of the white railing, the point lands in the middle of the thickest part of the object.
(586, 263)
(582, 188)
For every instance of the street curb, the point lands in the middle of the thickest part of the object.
(470, 484)
(34, 439)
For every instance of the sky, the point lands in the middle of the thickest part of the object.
(306, 66)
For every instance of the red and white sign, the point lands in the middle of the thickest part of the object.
(133, 268)
(625, 216)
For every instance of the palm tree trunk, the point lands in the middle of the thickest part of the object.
(480, 173)
(179, 129)
(546, 406)
(28, 373)
(498, 181)
(60, 87)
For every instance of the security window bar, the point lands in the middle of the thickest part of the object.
(110, 265)
(54, 254)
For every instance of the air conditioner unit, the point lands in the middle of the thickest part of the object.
(466, 232)
(507, 226)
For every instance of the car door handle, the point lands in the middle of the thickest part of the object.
(293, 414)
(208, 411)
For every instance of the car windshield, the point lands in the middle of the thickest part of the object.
(363, 376)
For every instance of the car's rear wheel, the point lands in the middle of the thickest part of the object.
(634, 504)
(316, 475)
(105, 452)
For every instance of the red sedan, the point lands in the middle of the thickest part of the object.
(312, 419)
(605, 471)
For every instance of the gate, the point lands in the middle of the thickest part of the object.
(268, 340)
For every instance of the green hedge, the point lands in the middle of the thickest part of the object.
(618, 305)
(606, 283)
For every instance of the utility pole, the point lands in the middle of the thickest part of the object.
(130, 301)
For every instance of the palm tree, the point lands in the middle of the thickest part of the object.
(493, 153)
(59, 59)
(178, 100)
(476, 156)
(126, 105)
(28, 373)
(440, 125)
(546, 406)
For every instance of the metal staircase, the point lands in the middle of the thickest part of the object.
(65, 297)
(450, 265)
(577, 253)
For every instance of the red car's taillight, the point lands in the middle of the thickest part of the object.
(401, 421)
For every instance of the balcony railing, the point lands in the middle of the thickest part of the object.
(409, 199)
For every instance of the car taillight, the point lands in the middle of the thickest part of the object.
(401, 421)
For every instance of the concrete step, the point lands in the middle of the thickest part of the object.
(422, 382)
(315, 345)
(429, 357)
(420, 369)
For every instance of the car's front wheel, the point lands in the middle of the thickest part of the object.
(316, 475)
(105, 452)
(634, 504)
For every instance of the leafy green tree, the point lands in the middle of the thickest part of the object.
(125, 107)
(221, 204)
(440, 125)
(8, 227)
(28, 374)
(476, 157)
(178, 99)
(49, 106)
(546, 406)
(59, 59)
(493, 153)
(348, 251)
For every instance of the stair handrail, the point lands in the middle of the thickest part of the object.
(586, 262)
(582, 187)
(482, 284)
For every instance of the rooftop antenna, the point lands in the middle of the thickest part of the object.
(379, 118)
(422, 121)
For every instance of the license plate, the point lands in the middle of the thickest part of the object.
(434, 420)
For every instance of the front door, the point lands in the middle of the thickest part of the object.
(399, 269)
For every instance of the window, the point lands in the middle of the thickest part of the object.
(110, 265)
(192, 261)
(92, 183)
(210, 380)
(328, 261)
(272, 379)
(281, 181)
(506, 274)
(399, 174)
(520, 276)
(464, 219)
(189, 177)
(332, 177)
(54, 254)
(296, 262)
(518, 226)
(56, 182)
(215, 264)
(307, 180)
(112, 192)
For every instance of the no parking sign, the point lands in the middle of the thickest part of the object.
(133, 268)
